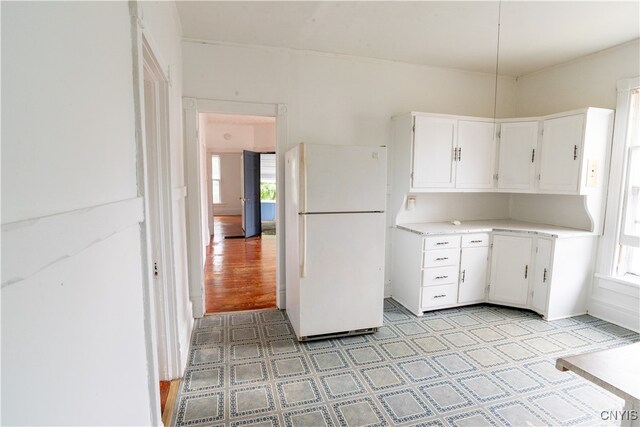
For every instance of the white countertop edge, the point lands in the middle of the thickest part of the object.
(542, 231)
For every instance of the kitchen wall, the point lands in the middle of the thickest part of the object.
(589, 81)
(75, 346)
(586, 82)
(334, 99)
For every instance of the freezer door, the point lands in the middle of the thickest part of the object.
(341, 178)
(342, 272)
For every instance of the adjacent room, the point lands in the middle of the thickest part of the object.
(240, 262)
(320, 213)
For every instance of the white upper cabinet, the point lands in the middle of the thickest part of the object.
(516, 164)
(449, 153)
(434, 144)
(561, 154)
(475, 154)
(564, 153)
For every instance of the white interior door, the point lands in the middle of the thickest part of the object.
(434, 163)
(560, 153)
(516, 163)
(342, 269)
(340, 178)
(510, 269)
(476, 154)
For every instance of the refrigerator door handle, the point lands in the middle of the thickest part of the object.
(303, 246)
(303, 179)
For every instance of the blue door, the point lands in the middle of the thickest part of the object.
(251, 164)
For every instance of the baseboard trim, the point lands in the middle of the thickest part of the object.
(617, 315)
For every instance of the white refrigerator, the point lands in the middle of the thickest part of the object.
(335, 198)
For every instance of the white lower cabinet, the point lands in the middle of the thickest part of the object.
(473, 274)
(548, 275)
(541, 276)
(510, 269)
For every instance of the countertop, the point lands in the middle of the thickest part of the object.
(486, 226)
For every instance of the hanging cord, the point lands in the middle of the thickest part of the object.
(495, 94)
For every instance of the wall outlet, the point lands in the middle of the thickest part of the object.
(411, 203)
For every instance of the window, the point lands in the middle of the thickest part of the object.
(215, 179)
(629, 248)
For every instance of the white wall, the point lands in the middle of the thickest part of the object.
(438, 207)
(334, 99)
(74, 345)
(588, 82)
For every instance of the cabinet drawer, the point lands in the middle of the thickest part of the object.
(440, 258)
(441, 242)
(434, 296)
(440, 275)
(471, 240)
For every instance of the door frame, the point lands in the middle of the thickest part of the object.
(192, 108)
(159, 297)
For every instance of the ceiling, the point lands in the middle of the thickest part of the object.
(533, 34)
(233, 119)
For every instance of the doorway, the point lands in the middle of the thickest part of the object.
(241, 258)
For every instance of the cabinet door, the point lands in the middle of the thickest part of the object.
(473, 274)
(541, 276)
(433, 153)
(516, 167)
(560, 153)
(510, 269)
(476, 155)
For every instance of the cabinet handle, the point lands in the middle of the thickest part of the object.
(475, 241)
(442, 258)
(441, 277)
(455, 154)
(442, 243)
(439, 296)
(544, 276)
(459, 153)
(526, 271)
(575, 152)
(464, 274)
(533, 155)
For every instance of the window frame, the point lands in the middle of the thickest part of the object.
(214, 180)
(611, 256)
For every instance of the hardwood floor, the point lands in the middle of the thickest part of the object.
(240, 274)
(164, 393)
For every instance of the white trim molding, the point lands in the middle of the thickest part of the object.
(192, 107)
(612, 298)
(61, 236)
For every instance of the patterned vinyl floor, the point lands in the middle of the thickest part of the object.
(470, 366)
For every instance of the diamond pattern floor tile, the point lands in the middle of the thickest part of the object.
(480, 365)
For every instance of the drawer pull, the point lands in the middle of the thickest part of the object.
(464, 274)
(475, 241)
(544, 276)
(441, 277)
(442, 258)
(526, 271)
(439, 296)
(442, 243)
